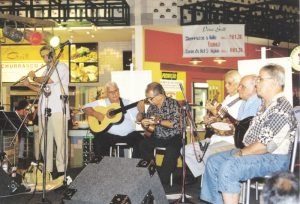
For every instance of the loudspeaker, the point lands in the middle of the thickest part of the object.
(127, 59)
(116, 180)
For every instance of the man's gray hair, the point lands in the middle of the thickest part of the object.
(275, 71)
(111, 84)
(235, 75)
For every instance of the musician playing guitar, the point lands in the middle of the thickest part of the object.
(167, 131)
(121, 132)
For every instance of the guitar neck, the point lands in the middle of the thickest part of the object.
(232, 119)
(123, 109)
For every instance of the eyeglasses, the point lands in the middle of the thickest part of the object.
(150, 98)
(259, 79)
(113, 92)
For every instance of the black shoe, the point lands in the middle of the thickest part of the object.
(96, 159)
(60, 174)
(55, 175)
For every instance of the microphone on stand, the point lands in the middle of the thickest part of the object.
(68, 42)
(181, 87)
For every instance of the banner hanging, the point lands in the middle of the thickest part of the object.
(221, 40)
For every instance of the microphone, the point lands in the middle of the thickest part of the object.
(68, 42)
(181, 87)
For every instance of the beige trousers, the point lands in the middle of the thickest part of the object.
(55, 133)
(37, 139)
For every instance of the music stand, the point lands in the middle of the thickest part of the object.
(17, 125)
(5, 125)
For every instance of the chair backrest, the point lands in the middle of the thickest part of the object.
(296, 111)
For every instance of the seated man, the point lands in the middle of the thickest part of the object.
(167, 132)
(249, 107)
(22, 110)
(231, 102)
(267, 143)
(122, 132)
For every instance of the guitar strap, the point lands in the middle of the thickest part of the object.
(233, 102)
(122, 106)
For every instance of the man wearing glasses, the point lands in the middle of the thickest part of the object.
(267, 143)
(122, 132)
(164, 114)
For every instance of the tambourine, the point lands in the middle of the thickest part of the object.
(223, 129)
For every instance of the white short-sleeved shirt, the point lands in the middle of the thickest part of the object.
(128, 124)
(54, 101)
(234, 109)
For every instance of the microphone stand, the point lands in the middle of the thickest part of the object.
(64, 98)
(47, 92)
(47, 111)
(185, 113)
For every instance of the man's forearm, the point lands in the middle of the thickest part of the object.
(33, 87)
(89, 111)
(255, 148)
(41, 79)
(139, 117)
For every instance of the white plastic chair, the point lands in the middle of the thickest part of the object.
(117, 148)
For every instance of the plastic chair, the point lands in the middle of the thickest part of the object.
(117, 148)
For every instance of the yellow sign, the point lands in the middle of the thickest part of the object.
(18, 60)
(26, 53)
(169, 75)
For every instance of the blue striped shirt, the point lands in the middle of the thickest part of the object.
(249, 107)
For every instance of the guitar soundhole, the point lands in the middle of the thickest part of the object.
(110, 113)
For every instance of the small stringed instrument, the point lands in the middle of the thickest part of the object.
(241, 126)
(213, 103)
(149, 130)
(112, 114)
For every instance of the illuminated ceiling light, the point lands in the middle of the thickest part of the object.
(33, 37)
(12, 33)
(195, 61)
(92, 36)
(219, 60)
(51, 39)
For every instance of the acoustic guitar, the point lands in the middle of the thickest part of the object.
(112, 114)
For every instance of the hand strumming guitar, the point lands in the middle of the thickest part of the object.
(99, 116)
(149, 124)
(91, 112)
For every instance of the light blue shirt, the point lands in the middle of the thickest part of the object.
(128, 124)
(249, 108)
